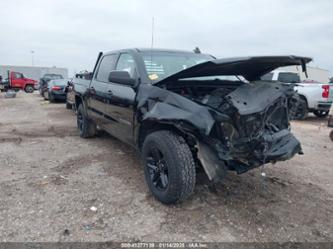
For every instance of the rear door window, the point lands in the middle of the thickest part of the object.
(289, 78)
(105, 67)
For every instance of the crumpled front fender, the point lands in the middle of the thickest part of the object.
(163, 106)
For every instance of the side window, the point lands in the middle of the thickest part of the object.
(289, 78)
(126, 63)
(105, 67)
(18, 75)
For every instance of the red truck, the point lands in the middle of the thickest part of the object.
(17, 81)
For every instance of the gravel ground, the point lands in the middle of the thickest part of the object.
(55, 186)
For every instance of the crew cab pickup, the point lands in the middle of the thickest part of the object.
(184, 110)
(17, 81)
(315, 97)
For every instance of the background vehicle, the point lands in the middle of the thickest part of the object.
(330, 122)
(45, 79)
(183, 110)
(17, 81)
(55, 90)
(316, 97)
(70, 95)
(330, 118)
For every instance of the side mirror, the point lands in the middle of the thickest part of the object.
(121, 77)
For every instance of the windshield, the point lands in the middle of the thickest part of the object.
(160, 65)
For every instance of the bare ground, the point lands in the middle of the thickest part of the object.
(50, 178)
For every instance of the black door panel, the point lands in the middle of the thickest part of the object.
(120, 110)
(98, 95)
(96, 101)
(120, 102)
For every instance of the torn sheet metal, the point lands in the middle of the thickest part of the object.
(236, 125)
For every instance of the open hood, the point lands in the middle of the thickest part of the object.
(251, 68)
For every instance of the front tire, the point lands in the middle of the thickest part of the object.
(320, 114)
(86, 127)
(169, 166)
(29, 89)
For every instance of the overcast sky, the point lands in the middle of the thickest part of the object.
(71, 33)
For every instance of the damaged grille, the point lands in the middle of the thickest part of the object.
(258, 138)
(272, 120)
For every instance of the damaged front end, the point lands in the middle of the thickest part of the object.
(236, 125)
(254, 128)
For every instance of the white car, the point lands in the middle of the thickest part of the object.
(316, 97)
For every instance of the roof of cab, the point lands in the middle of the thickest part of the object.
(151, 50)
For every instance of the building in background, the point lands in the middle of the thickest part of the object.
(315, 74)
(33, 72)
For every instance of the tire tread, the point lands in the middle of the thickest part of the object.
(183, 160)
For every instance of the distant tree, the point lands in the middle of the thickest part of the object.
(197, 50)
(331, 80)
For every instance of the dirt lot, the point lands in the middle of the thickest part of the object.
(50, 178)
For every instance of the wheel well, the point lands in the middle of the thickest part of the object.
(78, 101)
(149, 127)
(304, 98)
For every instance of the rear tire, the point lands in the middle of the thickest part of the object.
(69, 106)
(86, 127)
(51, 98)
(29, 89)
(46, 95)
(320, 114)
(169, 166)
(302, 109)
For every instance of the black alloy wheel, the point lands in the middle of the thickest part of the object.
(158, 169)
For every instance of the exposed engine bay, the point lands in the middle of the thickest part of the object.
(236, 120)
(252, 121)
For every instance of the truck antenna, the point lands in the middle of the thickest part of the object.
(152, 34)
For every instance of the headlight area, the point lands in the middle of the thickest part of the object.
(229, 133)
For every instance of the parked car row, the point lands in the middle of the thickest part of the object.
(184, 111)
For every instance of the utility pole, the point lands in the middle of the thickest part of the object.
(32, 57)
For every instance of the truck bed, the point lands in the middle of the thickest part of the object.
(80, 85)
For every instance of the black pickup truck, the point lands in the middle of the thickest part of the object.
(184, 110)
